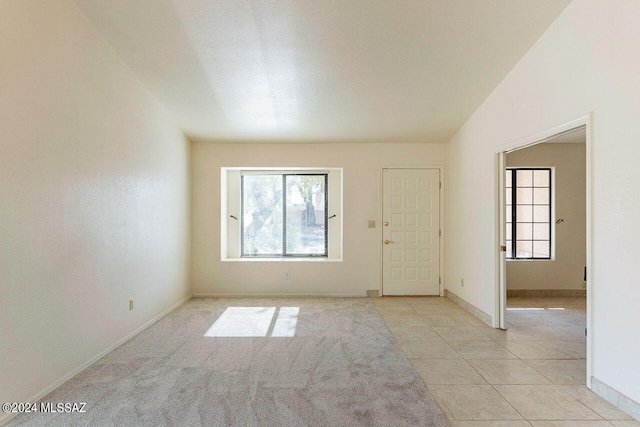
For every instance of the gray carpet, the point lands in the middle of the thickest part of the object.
(336, 364)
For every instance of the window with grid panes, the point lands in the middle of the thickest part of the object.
(528, 213)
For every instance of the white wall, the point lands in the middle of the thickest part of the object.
(359, 270)
(586, 61)
(566, 269)
(93, 195)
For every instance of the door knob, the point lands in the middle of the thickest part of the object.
(386, 242)
(386, 223)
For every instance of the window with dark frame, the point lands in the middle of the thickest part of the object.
(528, 197)
(284, 214)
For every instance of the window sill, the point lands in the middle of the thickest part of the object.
(529, 260)
(284, 259)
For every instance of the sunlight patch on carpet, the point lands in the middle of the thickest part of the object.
(255, 322)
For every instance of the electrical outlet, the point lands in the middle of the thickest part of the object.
(462, 282)
(286, 275)
(372, 223)
(130, 304)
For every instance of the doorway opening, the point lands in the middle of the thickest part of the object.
(544, 232)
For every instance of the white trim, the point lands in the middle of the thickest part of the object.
(280, 169)
(440, 168)
(230, 237)
(585, 121)
(42, 393)
(311, 171)
(588, 121)
(283, 259)
(617, 399)
(472, 309)
(254, 295)
(499, 321)
(547, 134)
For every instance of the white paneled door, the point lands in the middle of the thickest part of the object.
(411, 232)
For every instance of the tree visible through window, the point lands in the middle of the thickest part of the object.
(283, 214)
(528, 213)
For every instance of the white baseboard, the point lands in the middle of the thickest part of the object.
(484, 317)
(240, 295)
(546, 293)
(617, 399)
(5, 418)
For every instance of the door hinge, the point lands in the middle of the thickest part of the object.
(585, 332)
(503, 248)
(440, 232)
(440, 184)
(440, 280)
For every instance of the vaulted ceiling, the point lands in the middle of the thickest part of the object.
(321, 70)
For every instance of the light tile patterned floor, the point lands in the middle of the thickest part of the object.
(533, 374)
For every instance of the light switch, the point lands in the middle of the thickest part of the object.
(372, 223)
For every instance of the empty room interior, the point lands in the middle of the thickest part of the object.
(306, 212)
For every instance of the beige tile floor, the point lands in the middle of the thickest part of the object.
(533, 374)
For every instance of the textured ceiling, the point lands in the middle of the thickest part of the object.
(302, 70)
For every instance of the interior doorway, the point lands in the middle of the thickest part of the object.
(544, 232)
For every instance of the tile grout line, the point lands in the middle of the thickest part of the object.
(492, 385)
(502, 344)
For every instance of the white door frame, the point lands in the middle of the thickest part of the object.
(501, 291)
(502, 241)
(381, 216)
